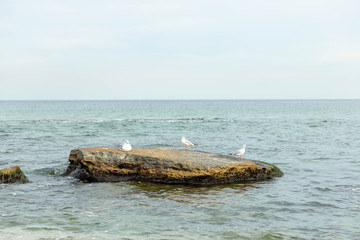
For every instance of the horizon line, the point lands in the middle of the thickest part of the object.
(199, 99)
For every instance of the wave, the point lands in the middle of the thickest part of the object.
(128, 120)
(178, 120)
(52, 171)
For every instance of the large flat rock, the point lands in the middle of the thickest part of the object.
(164, 165)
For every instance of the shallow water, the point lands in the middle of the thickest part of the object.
(315, 143)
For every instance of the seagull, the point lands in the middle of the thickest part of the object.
(240, 152)
(126, 146)
(187, 143)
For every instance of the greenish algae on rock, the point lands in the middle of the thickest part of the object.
(13, 175)
(164, 165)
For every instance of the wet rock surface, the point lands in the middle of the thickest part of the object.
(12, 175)
(164, 165)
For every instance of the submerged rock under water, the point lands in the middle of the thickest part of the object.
(164, 165)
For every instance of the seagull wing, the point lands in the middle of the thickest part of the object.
(187, 142)
(239, 152)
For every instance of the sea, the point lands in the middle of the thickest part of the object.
(316, 143)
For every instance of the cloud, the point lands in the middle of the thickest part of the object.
(214, 46)
(340, 49)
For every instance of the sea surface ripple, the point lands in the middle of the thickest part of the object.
(314, 142)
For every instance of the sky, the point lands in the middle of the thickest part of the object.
(167, 49)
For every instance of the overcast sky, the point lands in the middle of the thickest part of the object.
(183, 49)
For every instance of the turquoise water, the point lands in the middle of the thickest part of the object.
(316, 143)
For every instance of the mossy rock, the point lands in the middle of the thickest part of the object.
(13, 175)
(165, 165)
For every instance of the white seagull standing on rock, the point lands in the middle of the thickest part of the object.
(240, 152)
(187, 143)
(126, 146)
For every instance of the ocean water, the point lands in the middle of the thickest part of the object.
(316, 143)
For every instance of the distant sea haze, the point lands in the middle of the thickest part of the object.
(314, 142)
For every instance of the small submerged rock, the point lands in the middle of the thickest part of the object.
(164, 165)
(13, 175)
